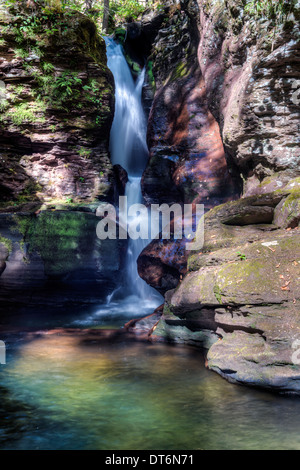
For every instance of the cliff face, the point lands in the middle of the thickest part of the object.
(57, 107)
(187, 158)
(239, 296)
(249, 63)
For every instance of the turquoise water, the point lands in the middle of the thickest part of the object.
(74, 389)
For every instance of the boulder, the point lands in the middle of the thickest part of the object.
(240, 297)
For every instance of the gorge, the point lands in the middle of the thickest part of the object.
(190, 102)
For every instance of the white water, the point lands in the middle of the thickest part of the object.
(128, 148)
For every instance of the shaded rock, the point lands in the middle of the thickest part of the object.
(2, 266)
(121, 178)
(250, 69)
(56, 258)
(162, 263)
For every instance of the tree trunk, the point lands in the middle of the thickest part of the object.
(88, 4)
(105, 16)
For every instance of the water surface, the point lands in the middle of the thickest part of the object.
(70, 389)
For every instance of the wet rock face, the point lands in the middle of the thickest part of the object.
(55, 258)
(57, 110)
(163, 263)
(240, 296)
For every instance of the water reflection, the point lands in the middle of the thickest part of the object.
(78, 392)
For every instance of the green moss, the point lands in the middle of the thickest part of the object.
(218, 294)
(61, 238)
(180, 71)
(25, 113)
(6, 242)
(151, 74)
(84, 153)
(120, 34)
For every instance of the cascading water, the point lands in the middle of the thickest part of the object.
(128, 148)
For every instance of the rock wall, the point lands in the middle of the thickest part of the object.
(187, 162)
(56, 111)
(249, 62)
(57, 107)
(187, 158)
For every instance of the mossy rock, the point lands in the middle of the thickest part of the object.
(287, 213)
(66, 241)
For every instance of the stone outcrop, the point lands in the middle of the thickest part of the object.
(226, 101)
(56, 109)
(250, 65)
(240, 297)
(187, 162)
(187, 159)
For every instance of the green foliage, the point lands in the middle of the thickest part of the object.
(4, 105)
(60, 92)
(48, 67)
(25, 113)
(84, 153)
(151, 74)
(241, 256)
(6, 242)
(272, 9)
(19, 52)
(67, 84)
(128, 9)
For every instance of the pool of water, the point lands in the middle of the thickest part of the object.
(72, 388)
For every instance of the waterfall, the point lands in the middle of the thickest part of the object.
(128, 148)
